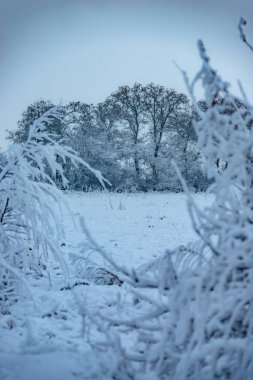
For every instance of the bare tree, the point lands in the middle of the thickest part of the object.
(163, 109)
(132, 120)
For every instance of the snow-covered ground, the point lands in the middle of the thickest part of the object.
(135, 227)
(52, 341)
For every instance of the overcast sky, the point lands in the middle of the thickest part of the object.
(66, 50)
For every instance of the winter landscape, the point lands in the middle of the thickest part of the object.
(126, 226)
(134, 229)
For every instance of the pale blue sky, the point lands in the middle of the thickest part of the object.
(66, 50)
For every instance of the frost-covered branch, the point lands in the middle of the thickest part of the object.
(30, 202)
(197, 324)
(243, 37)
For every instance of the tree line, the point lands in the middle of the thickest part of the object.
(131, 138)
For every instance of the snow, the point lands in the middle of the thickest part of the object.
(134, 229)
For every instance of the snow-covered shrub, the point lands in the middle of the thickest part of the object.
(197, 324)
(30, 207)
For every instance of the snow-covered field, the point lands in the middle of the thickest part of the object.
(134, 229)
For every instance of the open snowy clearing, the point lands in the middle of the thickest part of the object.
(134, 229)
